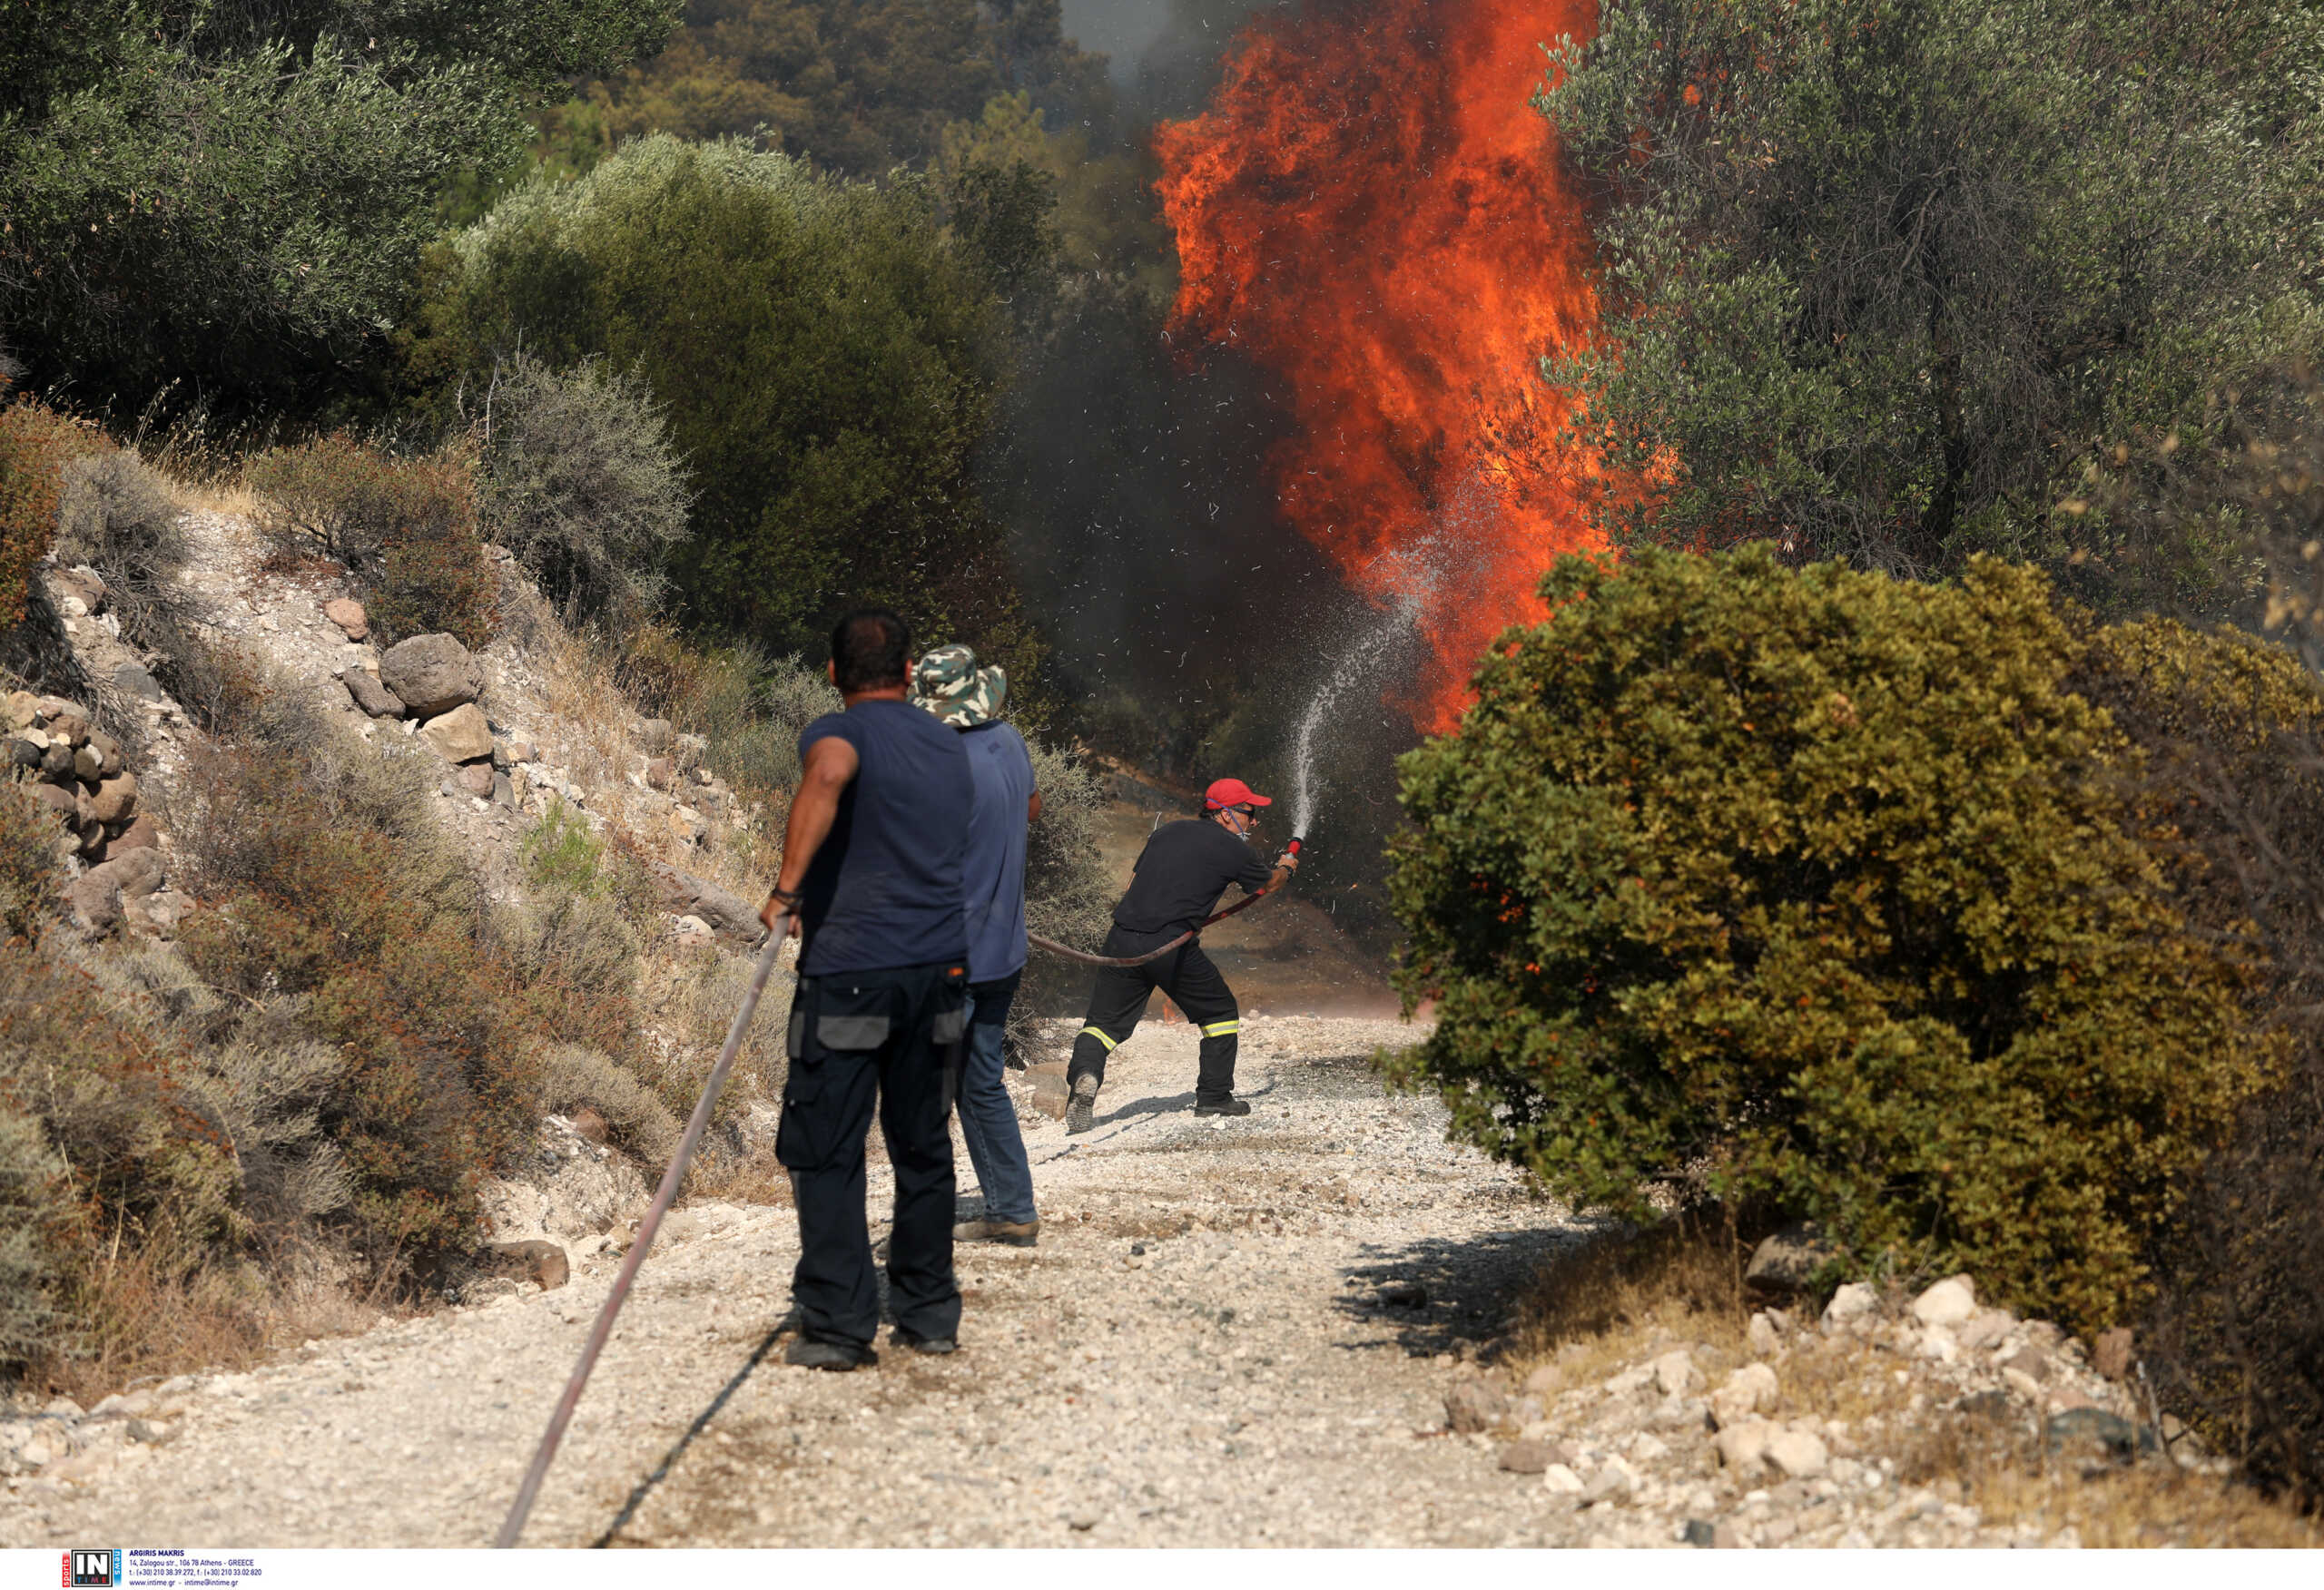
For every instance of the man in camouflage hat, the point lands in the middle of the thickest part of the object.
(949, 684)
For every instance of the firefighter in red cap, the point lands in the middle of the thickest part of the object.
(1180, 874)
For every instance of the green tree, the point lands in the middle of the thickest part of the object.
(1828, 892)
(855, 85)
(236, 195)
(1879, 278)
(822, 354)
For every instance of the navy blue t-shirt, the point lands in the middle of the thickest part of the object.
(884, 891)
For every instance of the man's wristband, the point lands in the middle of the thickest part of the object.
(788, 899)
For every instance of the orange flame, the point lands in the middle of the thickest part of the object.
(1372, 208)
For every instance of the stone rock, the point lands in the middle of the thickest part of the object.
(660, 774)
(116, 799)
(1050, 1095)
(2113, 1353)
(2094, 1428)
(67, 725)
(1545, 1381)
(133, 681)
(97, 894)
(1952, 1301)
(376, 700)
(149, 1432)
(1473, 1405)
(1743, 1447)
(431, 675)
(1850, 1303)
(460, 736)
(1801, 1456)
(18, 709)
(535, 1260)
(140, 835)
(1675, 1372)
(476, 777)
(1763, 1334)
(110, 759)
(348, 615)
(59, 802)
(1527, 1456)
(82, 583)
(521, 749)
(1611, 1483)
(1561, 1480)
(56, 761)
(563, 1189)
(1938, 1342)
(1985, 1328)
(589, 1123)
(503, 792)
(683, 894)
(655, 732)
(87, 765)
(1790, 1260)
(1743, 1393)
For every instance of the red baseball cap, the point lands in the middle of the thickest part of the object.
(1228, 792)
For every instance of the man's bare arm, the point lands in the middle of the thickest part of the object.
(831, 762)
(1033, 807)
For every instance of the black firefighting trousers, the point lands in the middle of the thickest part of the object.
(1118, 1000)
(898, 1034)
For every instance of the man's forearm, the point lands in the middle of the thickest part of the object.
(812, 811)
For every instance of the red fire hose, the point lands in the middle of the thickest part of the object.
(1087, 959)
(514, 1525)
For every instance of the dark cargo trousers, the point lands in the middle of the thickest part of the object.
(897, 1034)
(1118, 1002)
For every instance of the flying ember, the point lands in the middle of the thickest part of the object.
(1372, 208)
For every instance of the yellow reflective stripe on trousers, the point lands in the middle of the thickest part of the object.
(1219, 1029)
(1110, 1045)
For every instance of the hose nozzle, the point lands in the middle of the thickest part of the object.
(1296, 841)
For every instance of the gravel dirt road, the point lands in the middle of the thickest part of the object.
(1197, 1353)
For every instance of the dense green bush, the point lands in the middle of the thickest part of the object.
(1825, 892)
(404, 526)
(579, 480)
(822, 351)
(233, 196)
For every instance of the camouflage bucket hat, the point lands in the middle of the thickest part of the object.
(949, 684)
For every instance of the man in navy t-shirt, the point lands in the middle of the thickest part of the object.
(964, 696)
(872, 868)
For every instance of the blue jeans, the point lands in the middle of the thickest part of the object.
(987, 1115)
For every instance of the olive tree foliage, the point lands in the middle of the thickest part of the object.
(823, 353)
(234, 195)
(1878, 278)
(581, 481)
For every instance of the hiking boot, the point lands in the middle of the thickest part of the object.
(927, 1346)
(1223, 1107)
(806, 1353)
(1016, 1234)
(1081, 1110)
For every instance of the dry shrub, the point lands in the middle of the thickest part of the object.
(640, 1124)
(118, 517)
(29, 863)
(404, 526)
(36, 444)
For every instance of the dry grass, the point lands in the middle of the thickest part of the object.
(145, 1325)
(1615, 1295)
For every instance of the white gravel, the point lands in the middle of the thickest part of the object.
(1233, 1383)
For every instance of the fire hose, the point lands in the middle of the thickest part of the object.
(514, 1525)
(1087, 959)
